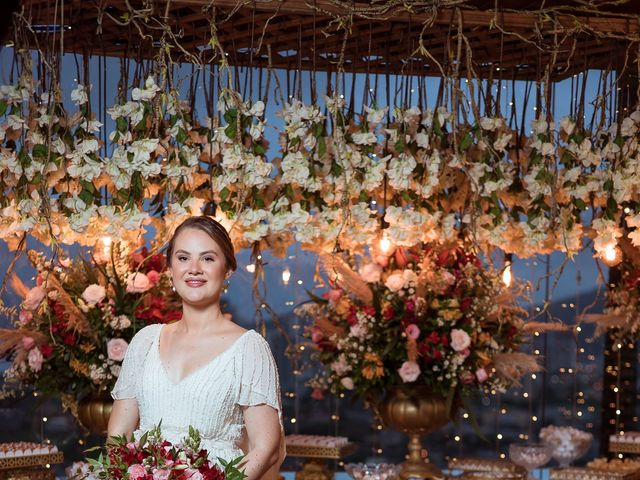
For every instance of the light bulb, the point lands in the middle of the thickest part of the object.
(286, 276)
(611, 254)
(251, 268)
(506, 275)
(385, 244)
(106, 245)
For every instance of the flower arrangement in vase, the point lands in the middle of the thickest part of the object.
(73, 327)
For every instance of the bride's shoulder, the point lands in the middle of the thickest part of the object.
(146, 334)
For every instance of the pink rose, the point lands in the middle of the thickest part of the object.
(28, 343)
(481, 375)
(138, 283)
(34, 298)
(94, 294)
(459, 340)
(160, 474)
(193, 474)
(116, 349)
(371, 272)
(316, 335)
(25, 317)
(465, 353)
(409, 371)
(382, 260)
(412, 331)
(35, 359)
(334, 295)
(136, 472)
(347, 382)
(395, 282)
(153, 276)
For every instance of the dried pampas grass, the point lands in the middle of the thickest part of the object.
(513, 366)
(339, 271)
(77, 320)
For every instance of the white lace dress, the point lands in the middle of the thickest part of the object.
(209, 399)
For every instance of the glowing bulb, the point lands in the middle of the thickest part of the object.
(385, 244)
(106, 244)
(610, 253)
(251, 268)
(286, 276)
(506, 275)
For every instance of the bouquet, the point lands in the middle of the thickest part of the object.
(73, 328)
(152, 458)
(433, 316)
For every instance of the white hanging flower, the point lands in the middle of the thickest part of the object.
(568, 125)
(375, 116)
(79, 95)
(148, 92)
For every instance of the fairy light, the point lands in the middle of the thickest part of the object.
(506, 275)
(286, 276)
(385, 244)
(251, 268)
(106, 244)
(611, 254)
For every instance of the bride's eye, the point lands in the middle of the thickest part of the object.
(209, 259)
(182, 258)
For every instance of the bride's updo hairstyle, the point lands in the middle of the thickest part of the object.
(212, 228)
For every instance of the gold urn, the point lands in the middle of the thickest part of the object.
(94, 412)
(415, 412)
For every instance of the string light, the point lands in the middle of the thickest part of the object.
(106, 244)
(286, 276)
(251, 268)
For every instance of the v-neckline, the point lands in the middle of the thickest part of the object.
(202, 367)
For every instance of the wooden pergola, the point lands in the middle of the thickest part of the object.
(506, 38)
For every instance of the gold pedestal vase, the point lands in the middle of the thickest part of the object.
(415, 412)
(94, 412)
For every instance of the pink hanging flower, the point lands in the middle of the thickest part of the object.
(412, 331)
(409, 372)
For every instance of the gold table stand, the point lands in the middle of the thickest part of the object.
(315, 467)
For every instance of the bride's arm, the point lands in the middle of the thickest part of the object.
(124, 418)
(264, 434)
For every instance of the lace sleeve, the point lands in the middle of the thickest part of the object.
(127, 384)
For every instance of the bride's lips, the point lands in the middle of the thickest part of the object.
(195, 283)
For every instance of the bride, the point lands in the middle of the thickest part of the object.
(203, 370)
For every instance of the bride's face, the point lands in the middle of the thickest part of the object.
(198, 267)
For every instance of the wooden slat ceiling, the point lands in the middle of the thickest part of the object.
(516, 41)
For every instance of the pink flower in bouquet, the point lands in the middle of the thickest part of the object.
(25, 317)
(138, 283)
(34, 298)
(333, 295)
(193, 474)
(28, 343)
(409, 372)
(347, 382)
(460, 340)
(371, 272)
(136, 472)
(412, 331)
(35, 359)
(153, 276)
(316, 335)
(358, 331)
(161, 474)
(481, 375)
(395, 282)
(116, 349)
(94, 294)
